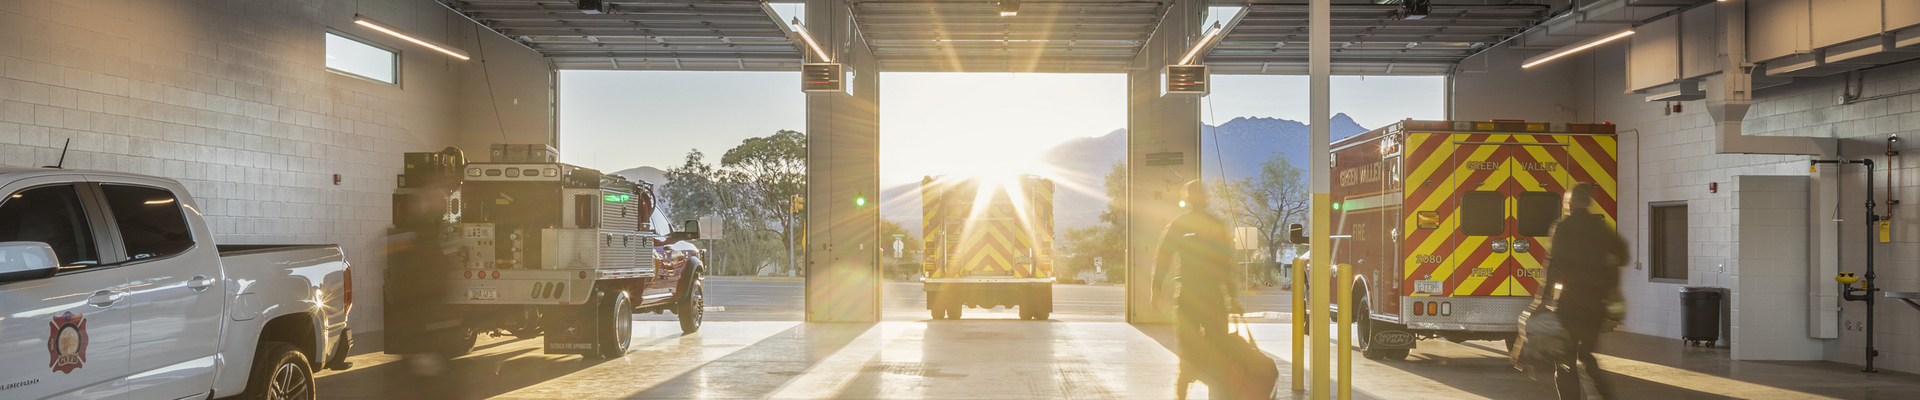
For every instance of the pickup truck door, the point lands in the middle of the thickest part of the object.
(672, 264)
(178, 291)
(64, 336)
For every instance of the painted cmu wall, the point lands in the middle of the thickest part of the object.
(1671, 158)
(233, 99)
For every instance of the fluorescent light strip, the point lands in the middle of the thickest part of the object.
(1195, 51)
(375, 25)
(802, 30)
(1565, 51)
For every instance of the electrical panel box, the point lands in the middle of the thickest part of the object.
(476, 246)
(1184, 80)
(823, 77)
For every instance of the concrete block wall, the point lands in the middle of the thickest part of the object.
(233, 98)
(1669, 156)
(1769, 270)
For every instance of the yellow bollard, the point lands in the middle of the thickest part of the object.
(1299, 326)
(1345, 285)
(1322, 242)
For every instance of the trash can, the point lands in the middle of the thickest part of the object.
(1700, 315)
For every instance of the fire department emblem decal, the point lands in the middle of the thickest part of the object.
(67, 342)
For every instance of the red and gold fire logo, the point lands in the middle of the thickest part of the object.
(67, 342)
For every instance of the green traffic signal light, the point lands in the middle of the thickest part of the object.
(860, 201)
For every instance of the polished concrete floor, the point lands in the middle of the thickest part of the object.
(997, 357)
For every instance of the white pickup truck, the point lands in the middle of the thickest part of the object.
(111, 287)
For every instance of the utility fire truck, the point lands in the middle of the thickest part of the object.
(533, 247)
(988, 244)
(1446, 224)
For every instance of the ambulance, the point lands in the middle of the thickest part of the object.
(1446, 224)
(988, 243)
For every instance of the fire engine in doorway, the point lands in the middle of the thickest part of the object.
(530, 247)
(1446, 223)
(988, 243)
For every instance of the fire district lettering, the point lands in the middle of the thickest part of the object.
(1482, 272)
(1366, 174)
(1539, 166)
(1482, 165)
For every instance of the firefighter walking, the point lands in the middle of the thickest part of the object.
(1585, 266)
(1202, 289)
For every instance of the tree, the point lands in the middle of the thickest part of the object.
(909, 263)
(691, 190)
(1106, 240)
(1270, 202)
(768, 172)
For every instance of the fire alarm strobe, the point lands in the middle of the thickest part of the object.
(1184, 80)
(823, 77)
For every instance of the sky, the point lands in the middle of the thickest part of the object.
(938, 123)
(615, 120)
(930, 122)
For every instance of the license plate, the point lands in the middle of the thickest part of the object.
(1430, 288)
(483, 294)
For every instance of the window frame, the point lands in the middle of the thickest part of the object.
(113, 221)
(104, 250)
(1553, 213)
(398, 58)
(1657, 270)
(1500, 211)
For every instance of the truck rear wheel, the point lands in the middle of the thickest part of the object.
(280, 371)
(1366, 325)
(617, 333)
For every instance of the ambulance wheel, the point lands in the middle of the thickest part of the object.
(954, 309)
(617, 334)
(1365, 330)
(280, 371)
(938, 313)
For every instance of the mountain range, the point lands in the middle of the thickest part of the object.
(1238, 146)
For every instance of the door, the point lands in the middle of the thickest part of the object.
(1540, 180)
(1482, 252)
(67, 335)
(178, 294)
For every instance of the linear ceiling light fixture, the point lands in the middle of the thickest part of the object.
(384, 28)
(1574, 48)
(802, 30)
(1204, 40)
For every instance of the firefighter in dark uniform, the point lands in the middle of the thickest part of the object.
(1202, 292)
(1585, 266)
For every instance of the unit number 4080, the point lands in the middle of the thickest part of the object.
(1428, 258)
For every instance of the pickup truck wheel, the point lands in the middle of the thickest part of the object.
(280, 372)
(693, 309)
(617, 334)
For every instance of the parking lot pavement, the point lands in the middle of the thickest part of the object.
(780, 299)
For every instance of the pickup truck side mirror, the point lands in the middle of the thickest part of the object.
(25, 261)
(1296, 234)
(689, 230)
